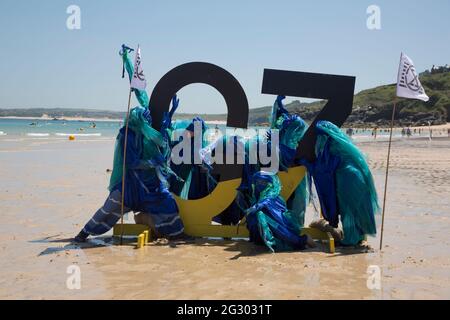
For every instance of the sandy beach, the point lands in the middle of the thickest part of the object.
(51, 187)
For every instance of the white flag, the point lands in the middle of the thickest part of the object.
(138, 80)
(408, 83)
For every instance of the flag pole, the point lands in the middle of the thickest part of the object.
(124, 168)
(387, 172)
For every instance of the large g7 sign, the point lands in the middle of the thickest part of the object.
(336, 89)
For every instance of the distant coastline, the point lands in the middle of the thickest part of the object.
(86, 119)
(371, 108)
(62, 119)
(72, 114)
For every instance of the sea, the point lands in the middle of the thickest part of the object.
(42, 129)
(21, 129)
(57, 129)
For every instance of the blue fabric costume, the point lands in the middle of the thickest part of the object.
(146, 171)
(291, 129)
(197, 181)
(146, 188)
(344, 183)
(268, 220)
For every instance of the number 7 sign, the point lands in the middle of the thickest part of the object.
(338, 90)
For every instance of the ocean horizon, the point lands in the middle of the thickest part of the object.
(27, 128)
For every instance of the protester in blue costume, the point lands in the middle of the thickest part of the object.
(146, 173)
(269, 221)
(208, 180)
(344, 184)
(291, 128)
(234, 213)
(197, 181)
(146, 187)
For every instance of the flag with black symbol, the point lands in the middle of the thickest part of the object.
(138, 80)
(408, 83)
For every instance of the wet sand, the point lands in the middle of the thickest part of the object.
(51, 187)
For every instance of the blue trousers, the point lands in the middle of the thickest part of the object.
(108, 215)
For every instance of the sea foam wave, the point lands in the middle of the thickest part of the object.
(38, 134)
(59, 134)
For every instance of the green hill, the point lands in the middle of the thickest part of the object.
(375, 105)
(372, 107)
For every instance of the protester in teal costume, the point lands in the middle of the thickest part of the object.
(268, 220)
(234, 212)
(146, 186)
(291, 128)
(146, 151)
(344, 183)
(146, 174)
(198, 182)
(156, 144)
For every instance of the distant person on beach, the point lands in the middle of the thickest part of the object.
(216, 131)
(146, 188)
(408, 132)
(349, 132)
(430, 131)
(374, 132)
(403, 132)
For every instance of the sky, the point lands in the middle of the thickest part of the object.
(45, 64)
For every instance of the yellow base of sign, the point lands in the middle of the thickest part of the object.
(198, 214)
(130, 229)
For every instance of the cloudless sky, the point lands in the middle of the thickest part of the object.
(44, 64)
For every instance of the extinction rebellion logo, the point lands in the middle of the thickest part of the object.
(410, 79)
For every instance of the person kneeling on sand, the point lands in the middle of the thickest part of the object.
(146, 187)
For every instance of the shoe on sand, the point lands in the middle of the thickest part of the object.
(324, 226)
(81, 237)
(319, 224)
